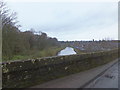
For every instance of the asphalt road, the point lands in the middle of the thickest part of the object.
(108, 80)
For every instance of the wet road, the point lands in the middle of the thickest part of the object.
(108, 80)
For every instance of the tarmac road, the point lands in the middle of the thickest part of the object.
(108, 80)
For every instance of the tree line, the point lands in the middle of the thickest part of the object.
(15, 42)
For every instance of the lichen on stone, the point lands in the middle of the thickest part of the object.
(8, 76)
(61, 58)
(8, 62)
(66, 68)
(5, 70)
(45, 63)
(33, 61)
(49, 68)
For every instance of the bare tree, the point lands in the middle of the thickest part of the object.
(6, 16)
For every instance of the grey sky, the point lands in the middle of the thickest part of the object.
(69, 21)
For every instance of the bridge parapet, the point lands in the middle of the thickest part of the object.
(26, 73)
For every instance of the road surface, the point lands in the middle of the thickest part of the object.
(108, 80)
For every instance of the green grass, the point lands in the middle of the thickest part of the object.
(33, 54)
(79, 51)
(18, 57)
(53, 51)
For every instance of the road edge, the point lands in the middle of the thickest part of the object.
(101, 73)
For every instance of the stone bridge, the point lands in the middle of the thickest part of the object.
(27, 73)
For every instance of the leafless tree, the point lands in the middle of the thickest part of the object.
(6, 16)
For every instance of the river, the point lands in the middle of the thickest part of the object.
(67, 51)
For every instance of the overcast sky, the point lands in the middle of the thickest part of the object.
(69, 21)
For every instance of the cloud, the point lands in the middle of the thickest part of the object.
(69, 21)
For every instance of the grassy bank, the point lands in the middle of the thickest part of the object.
(79, 51)
(53, 51)
(33, 54)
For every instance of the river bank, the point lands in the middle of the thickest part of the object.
(52, 51)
